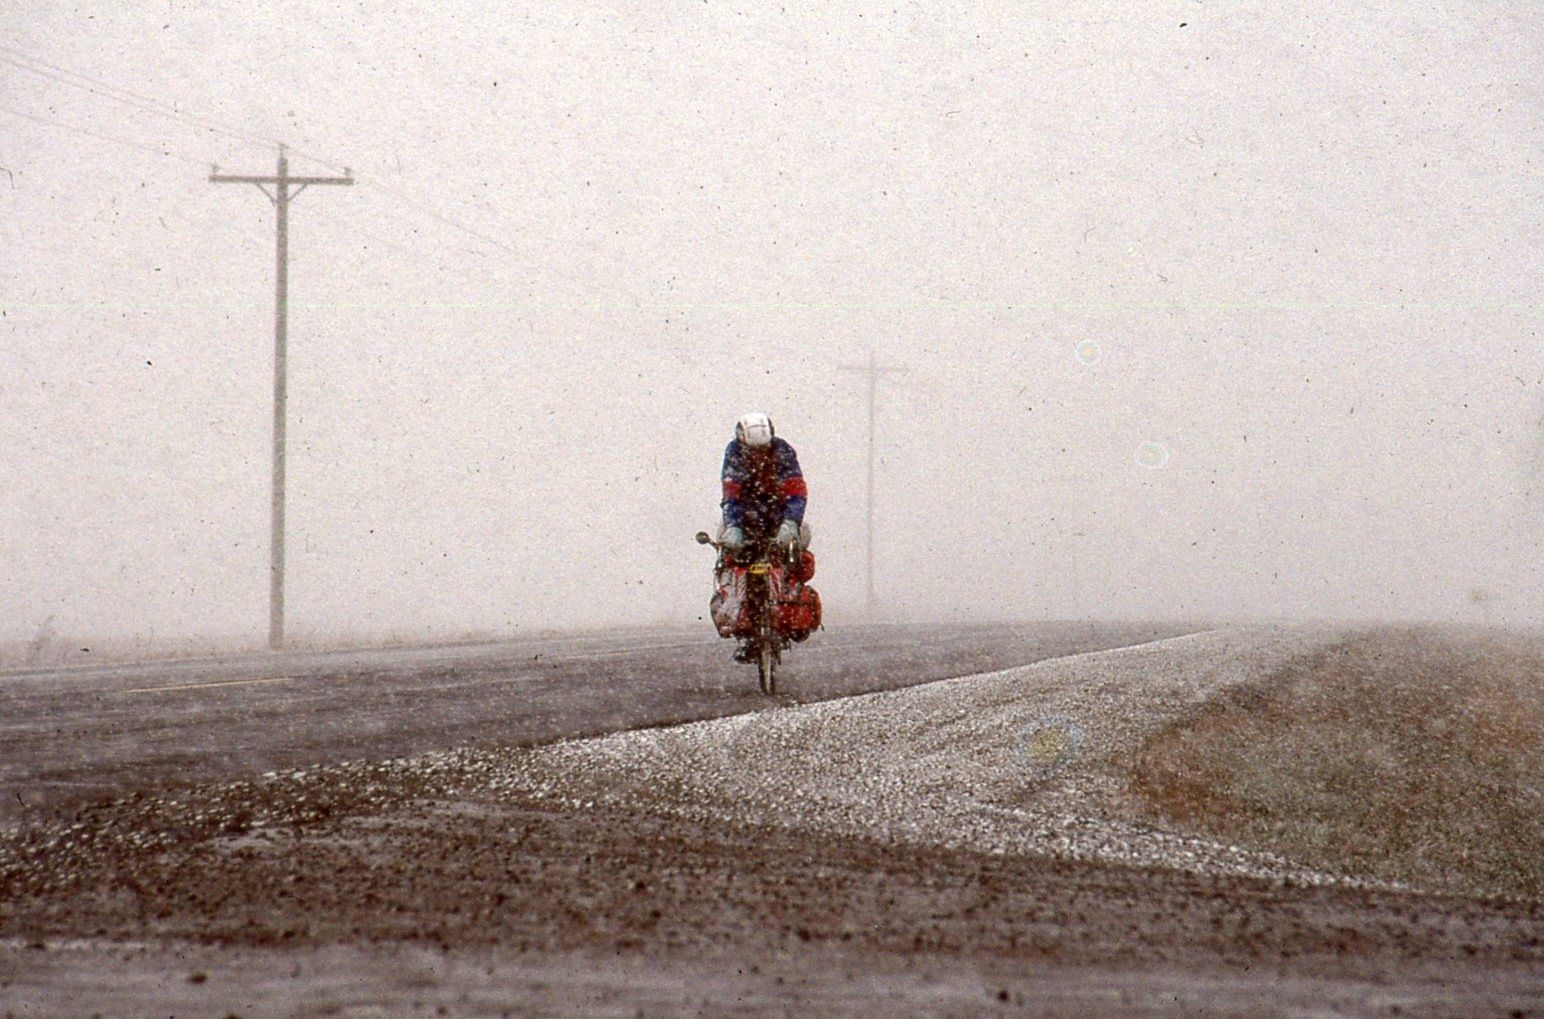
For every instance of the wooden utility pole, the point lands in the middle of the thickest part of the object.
(280, 196)
(873, 370)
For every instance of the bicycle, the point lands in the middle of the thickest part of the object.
(767, 568)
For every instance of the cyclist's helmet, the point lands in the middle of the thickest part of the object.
(754, 429)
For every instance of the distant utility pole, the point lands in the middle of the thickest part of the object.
(873, 370)
(280, 196)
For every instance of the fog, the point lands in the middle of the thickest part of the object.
(1207, 310)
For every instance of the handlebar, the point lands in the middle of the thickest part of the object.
(788, 555)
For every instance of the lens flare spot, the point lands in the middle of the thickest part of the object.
(1049, 745)
(1152, 455)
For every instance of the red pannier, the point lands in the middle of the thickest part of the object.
(729, 606)
(798, 611)
(798, 605)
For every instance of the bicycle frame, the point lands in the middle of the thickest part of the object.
(765, 643)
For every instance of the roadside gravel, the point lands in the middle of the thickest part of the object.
(1029, 760)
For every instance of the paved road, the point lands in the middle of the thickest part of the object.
(75, 735)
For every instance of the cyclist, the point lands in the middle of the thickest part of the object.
(764, 493)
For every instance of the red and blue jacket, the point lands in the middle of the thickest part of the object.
(762, 487)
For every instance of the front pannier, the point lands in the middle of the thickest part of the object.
(798, 612)
(729, 606)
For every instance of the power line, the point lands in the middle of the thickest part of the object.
(104, 137)
(74, 79)
(22, 59)
(351, 223)
(127, 98)
(313, 157)
(445, 220)
(63, 75)
(439, 217)
(25, 61)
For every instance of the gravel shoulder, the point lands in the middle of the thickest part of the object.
(951, 763)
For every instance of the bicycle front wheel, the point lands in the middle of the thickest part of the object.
(766, 666)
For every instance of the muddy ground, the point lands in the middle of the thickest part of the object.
(605, 876)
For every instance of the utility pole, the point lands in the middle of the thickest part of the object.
(873, 370)
(280, 196)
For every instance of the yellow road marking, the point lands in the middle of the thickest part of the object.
(204, 686)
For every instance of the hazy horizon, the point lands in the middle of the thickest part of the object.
(1205, 313)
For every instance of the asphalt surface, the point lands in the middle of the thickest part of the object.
(73, 736)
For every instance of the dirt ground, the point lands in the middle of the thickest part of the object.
(440, 885)
(1371, 758)
(523, 907)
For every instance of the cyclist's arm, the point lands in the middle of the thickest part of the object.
(791, 478)
(733, 476)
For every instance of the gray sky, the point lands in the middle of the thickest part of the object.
(1208, 308)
